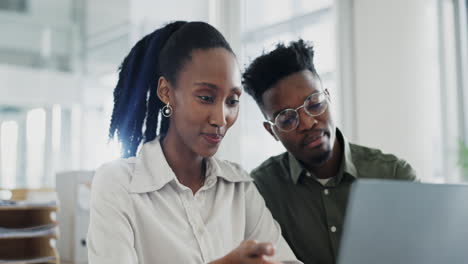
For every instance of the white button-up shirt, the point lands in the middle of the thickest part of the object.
(141, 213)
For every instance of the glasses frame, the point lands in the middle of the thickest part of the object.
(273, 122)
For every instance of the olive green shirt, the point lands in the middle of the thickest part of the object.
(311, 215)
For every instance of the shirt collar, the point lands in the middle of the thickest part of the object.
(295, 168)
(348, 161)
(152, 172)
(347, 165)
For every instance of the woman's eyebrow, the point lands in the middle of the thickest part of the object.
(215, 87)
(209, 85)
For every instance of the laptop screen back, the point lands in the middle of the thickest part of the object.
(391, 222)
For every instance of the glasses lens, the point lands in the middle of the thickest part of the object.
(316, 104)
(287, 120)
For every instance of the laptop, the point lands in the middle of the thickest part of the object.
(397, 222)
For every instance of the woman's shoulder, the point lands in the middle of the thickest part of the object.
(116, 174)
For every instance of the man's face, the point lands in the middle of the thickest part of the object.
(313, 139)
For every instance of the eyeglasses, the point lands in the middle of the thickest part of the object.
(314, 105)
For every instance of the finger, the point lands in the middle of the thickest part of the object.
(261, 249)
(271, 262)
(264, 260)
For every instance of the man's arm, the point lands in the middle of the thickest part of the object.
(404, 171)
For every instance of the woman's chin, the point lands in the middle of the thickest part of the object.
(208, 154)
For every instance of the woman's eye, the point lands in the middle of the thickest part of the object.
(233, 102)
(206, 98)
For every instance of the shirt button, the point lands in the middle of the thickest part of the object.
(333, 229)
(326, 192)
(308, 174)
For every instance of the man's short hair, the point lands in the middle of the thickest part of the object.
(269, 68)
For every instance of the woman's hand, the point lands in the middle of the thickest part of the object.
(249, 252)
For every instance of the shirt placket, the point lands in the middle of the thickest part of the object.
(334, 223)
(197, 224)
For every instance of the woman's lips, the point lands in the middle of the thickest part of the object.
(212, 138)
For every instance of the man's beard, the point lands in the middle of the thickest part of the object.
(321, 158)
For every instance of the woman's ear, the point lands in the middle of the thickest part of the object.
(164, 90)
(268, 128)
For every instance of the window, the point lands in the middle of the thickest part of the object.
(453, 93)
(455, 24)
(8, 143)
(35, 138)
(34, 145)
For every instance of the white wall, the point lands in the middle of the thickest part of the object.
(397, 97)
(27, 87)
(152, 14)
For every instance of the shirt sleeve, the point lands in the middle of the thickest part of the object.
(110, 235)
(261, 226)
(404, 171)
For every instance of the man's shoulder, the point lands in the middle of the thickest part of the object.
(272, 167)
(271, 178)
(374, 163)
(364, 153)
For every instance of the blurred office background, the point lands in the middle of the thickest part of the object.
(397, 72)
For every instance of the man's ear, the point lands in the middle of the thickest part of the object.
(268, 128)
(164, 90)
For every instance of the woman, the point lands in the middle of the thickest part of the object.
(174, 202)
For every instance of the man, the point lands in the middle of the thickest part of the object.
(307, 187)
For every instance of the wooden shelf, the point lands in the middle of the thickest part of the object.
(30, 246)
